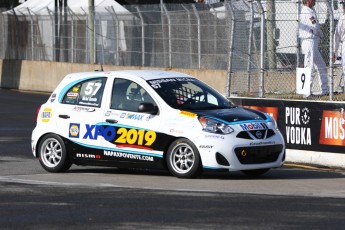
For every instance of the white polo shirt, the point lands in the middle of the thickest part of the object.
(308, 27)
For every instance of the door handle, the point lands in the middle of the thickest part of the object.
(63, 116)
(111, 121)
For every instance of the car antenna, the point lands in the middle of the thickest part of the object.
(102, 59)
(101, 68)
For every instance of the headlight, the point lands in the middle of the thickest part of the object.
(274, 122)
(213, 126)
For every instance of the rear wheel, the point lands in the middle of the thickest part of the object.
(255, 172)
(52, 154)
(183, 159)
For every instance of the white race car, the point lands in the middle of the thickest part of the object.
(152, 119)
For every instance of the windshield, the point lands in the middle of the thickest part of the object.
(188, 94)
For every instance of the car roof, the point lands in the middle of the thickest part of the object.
(144, 74)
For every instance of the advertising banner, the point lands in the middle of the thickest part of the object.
(315, 126)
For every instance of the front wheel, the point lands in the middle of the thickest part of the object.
(255, 172)
(183, 159)
(52, 154)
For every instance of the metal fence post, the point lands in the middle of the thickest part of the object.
(17, 35)
(3, 36)
(169, 35)
(91, 26)
(117, 28)
(214, 30)
(32, 34)
(100, 36)
(298, 42)
(231, 21)
(331, 51)
(163, 34)
(189, 34)
(270, 34)
(250, 45)
(262, 47)
(142, 37)
(199, 35)
(73, 37)
(72, 33)
(53, 32)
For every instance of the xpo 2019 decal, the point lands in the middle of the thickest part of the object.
(314, 126)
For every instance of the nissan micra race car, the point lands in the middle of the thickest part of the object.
(152, 119)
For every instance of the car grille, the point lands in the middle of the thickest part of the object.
(258, 154)
(256, 134)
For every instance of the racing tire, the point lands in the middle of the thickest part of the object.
(183, 159)
(52, 154)
(255, 172)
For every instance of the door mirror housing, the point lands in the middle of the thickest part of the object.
(147, 108)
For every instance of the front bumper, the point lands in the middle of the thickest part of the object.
(258, 155)
(235, 154)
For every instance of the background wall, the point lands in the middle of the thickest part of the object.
(44, 75)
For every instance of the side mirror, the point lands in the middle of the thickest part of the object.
(147, 108)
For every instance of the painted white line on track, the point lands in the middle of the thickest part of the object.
(12, 139)
(11, 179)
(39, 182)
(191, 191)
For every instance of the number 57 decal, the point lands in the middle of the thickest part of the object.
(92, 88)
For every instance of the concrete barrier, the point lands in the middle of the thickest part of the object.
(45, 76)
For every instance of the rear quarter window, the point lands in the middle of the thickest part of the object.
(86, 93)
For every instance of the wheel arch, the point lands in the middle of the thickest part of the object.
(42, 136)
(165, 151)
(52, 153)
(177, 169)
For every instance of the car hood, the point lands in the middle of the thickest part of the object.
(234, 114)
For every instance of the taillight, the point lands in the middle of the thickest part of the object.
(37, 112)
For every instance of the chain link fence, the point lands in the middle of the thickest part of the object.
(256, 42)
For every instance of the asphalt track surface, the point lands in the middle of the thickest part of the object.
(109, 198)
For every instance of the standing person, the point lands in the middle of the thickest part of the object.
(339, 37)
(310, 34)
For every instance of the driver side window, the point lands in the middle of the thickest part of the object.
(127, 95)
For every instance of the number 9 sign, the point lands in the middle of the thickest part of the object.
(303, 76)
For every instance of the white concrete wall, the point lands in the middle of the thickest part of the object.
(45, 76)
